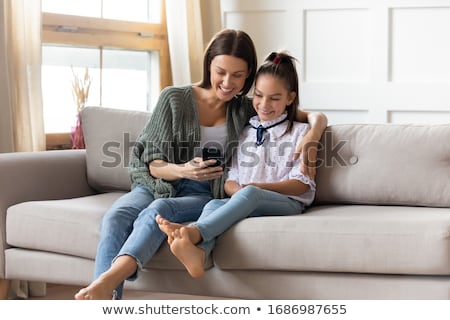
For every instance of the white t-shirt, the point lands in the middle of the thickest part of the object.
(271, 161)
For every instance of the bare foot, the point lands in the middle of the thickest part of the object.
(167, 227)
(191, 256)
(97, 290)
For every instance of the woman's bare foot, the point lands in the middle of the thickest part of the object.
(103, 288)
(191, 256)
(167, 227)
(97, 290)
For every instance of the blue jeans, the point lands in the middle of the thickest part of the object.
(220, 214)
(129, 226)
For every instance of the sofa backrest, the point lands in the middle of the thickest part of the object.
(109, 135)
(385, 164)
(358, 164)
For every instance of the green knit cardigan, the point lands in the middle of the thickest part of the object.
(173, 134)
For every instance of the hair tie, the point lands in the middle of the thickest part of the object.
(276, 60)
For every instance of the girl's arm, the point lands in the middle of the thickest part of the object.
(308, 146)
(231, 187)
(292, 187)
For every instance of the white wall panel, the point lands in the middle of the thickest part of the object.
(361, 61)
(337, 45)
(420, 44)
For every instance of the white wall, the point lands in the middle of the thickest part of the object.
(361, 61)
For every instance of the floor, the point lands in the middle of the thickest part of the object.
(59, 292)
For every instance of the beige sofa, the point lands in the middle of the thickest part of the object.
(379, 228)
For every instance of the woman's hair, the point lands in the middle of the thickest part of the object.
(281, 65)
(234, 43)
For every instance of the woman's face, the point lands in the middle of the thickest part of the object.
(228, 76)
(271, 97)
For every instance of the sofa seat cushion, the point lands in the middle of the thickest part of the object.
(343, 238)
(69, 227)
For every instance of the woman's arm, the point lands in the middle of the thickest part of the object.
(308, 146)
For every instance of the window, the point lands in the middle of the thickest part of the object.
(121, 44)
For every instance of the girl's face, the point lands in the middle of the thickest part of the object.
(228, 76)
(271, 97)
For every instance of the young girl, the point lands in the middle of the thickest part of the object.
(263, 179)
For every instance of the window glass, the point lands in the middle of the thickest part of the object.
(135, 10)
(119, 79)
(125, 79)
(60, 107)
(85, 8)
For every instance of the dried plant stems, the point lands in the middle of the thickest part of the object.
(80, 88)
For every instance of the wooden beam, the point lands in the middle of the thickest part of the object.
(4, 288)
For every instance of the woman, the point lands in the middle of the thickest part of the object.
(168, 175)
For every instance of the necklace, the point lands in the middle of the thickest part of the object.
(261, 129)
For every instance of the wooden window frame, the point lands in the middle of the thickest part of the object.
(72, 30)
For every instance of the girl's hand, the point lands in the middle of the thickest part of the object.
(308, 146)
(308, 150)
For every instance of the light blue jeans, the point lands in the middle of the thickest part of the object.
(129, 226)
(220, 214)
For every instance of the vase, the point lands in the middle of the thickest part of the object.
(76, 134)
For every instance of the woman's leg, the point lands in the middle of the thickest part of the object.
(146, 236)
(117, 224)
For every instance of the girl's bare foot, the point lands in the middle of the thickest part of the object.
(167, 227)
(191, 256)
(97, 290)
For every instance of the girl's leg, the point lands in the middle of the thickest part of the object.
(146, 237)
(190, 255)
(248, 202)
(187, 244)
(116, 225)
(169, 227)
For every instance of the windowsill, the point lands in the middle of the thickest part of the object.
(58, 141)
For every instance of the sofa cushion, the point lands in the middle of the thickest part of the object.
(109, 135)
(63, 226)
(345, 238)
(70, 227)
(385, 164)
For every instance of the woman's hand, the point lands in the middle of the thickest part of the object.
(196, 169)
(200, 170)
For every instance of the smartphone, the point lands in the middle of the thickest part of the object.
(212, 153)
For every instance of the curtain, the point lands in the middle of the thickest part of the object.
(22, 124)
(190, 26)
(21, 120)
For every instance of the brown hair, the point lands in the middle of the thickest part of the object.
(282, 66)
(235, 43)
